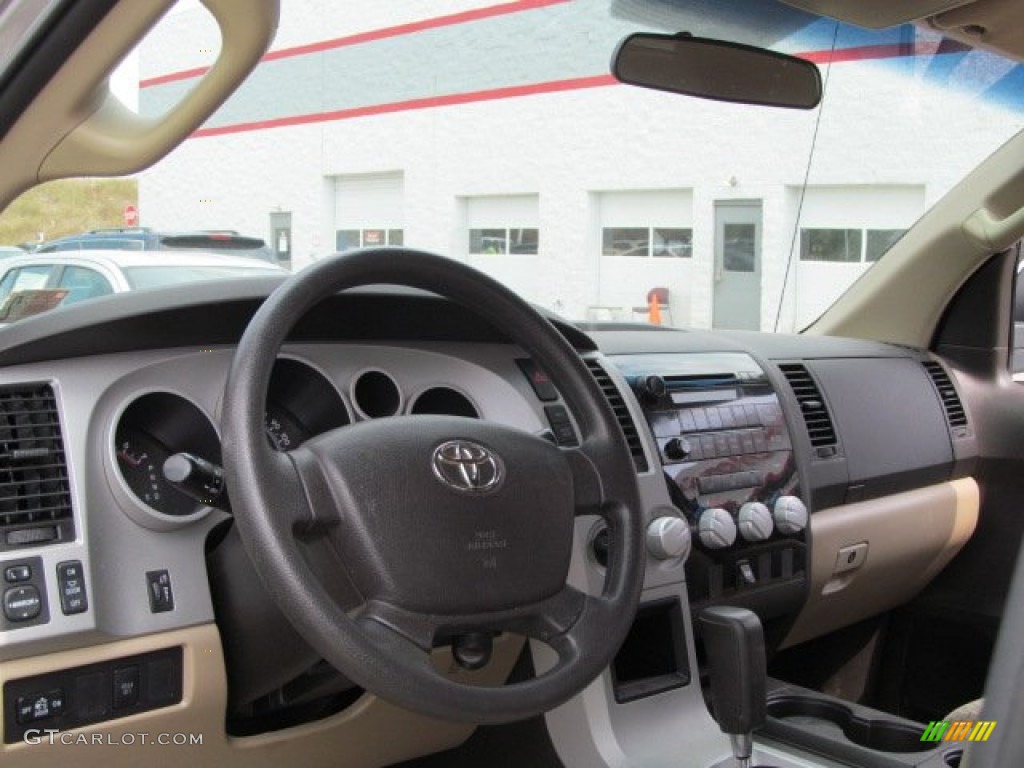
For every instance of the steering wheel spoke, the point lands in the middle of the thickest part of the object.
(317, 510)
(588, 489)
(594, 614)
(553, 617)
(413, 629)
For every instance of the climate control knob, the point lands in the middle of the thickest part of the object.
(790, 515)
(668, 538)
(755, 521)
(716, 528)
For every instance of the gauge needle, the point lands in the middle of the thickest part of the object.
(133, 460)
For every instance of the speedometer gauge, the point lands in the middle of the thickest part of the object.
(140, 457)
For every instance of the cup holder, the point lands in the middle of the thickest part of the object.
(871, 733)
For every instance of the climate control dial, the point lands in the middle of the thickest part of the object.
(716, 528)
(755, 521)
(790, 515)
(668, 538)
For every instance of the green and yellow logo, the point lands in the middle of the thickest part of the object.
(958, 730)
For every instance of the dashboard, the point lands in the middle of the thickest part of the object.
(785, 474)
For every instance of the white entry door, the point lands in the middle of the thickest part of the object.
(737, 295)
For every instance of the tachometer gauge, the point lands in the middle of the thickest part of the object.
(140, 457)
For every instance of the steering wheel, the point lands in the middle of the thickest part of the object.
(443, 525)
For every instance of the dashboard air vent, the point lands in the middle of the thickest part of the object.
(35, 495)
(618, 405)
(955, 413)
(812, 406)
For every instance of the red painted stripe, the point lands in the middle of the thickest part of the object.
(493, 94)
(376, 34)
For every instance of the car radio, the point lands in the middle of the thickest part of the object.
(728, 460)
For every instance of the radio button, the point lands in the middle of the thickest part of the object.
(715, 418)
(686, 421)
(677, 449)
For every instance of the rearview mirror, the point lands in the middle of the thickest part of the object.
(716, 69)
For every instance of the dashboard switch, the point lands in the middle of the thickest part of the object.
(39, 706)
(71, 587)
(668, 538)
(561, 425)
(716, 528)
(755, 521)
(22, 603)
(126, 687)
(161, 596)
(790, 515)
(542, 386)
(16, 573)
(745, 574)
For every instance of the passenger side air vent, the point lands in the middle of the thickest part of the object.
(618, 405)
(35, 495)
(812, 406)
(955, 413)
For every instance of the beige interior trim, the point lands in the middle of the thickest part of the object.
(76, 127)
(910, 537)
(369, 733)
(992, 24)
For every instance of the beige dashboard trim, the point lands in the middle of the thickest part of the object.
(910, 537)
(369, 733)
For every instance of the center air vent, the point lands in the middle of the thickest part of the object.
(618, 405)
(35, 495)
(812, 406)
(955, 413)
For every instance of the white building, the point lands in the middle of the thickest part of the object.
(450, 126)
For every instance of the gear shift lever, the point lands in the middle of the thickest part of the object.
(735, 651)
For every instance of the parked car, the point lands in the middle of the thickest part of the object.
(145, 239)
(81, 276)
(384, 511)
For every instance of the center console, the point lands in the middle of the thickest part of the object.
(728, 460)
(716, 457)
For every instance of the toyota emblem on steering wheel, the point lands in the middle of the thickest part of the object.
(467, 467)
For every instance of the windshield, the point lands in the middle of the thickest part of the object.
(494, 133)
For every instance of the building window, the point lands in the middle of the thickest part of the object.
(647, 242)
(739, 247)
(879, 241)
(347, 239)
(504, 240)
(846, 245)
(830, 244)
(502, 225)
(369, 210)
